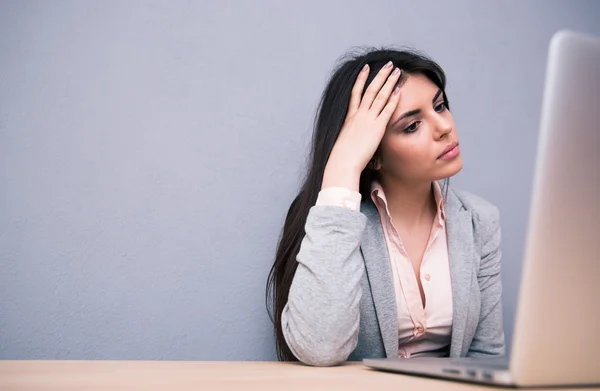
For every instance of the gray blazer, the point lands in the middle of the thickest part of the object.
(342, 304)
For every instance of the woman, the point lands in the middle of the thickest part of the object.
(377, 259)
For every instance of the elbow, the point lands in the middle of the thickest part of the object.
(324, 362)
(322, 352)
(323, 340)
(324, 356)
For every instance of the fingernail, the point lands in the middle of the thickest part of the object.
(365, 68)
(389, 64)
(396, 71)
(396, 90)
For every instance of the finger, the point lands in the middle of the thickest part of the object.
(358, 88)
(390, 107)
(385, 92)
(375, 86)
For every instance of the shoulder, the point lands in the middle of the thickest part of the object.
(486, 216)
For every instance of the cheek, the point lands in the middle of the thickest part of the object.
(404, 153)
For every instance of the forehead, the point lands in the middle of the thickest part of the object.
(417, 91)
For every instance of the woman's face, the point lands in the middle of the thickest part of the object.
(419, 133)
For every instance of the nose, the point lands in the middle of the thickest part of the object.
(443, 126)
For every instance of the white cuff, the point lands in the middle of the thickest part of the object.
(339, 196)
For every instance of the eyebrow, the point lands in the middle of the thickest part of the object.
(417, 111)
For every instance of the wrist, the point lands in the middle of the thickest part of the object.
(338, 176)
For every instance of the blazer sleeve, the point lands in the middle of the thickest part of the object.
(489, 334)
(320, 321)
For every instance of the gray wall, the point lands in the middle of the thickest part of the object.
(149, 151)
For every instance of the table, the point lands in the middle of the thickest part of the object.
(201, 376)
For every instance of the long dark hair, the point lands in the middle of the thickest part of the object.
(329, 119)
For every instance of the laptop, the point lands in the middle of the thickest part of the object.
(556, 338)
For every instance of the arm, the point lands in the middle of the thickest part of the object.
(320, 320)
(489, 335)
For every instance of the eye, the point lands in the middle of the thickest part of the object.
(441, 107)
(412, 127)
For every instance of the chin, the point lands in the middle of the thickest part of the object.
(449, 169)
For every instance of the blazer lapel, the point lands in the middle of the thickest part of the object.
(377, 263)
(460, 251)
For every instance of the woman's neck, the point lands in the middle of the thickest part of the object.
(410, 204)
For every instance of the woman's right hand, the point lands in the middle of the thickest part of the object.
(363, 128)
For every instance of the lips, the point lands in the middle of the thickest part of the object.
(449, 148)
